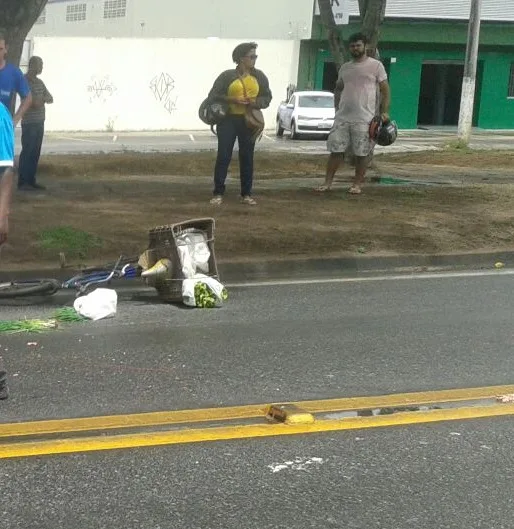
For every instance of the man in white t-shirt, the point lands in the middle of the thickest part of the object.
(362, 92)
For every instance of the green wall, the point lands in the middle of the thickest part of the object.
(404, 78)
(496, 110)
(413, 43)
(308, 64)
(423, 32)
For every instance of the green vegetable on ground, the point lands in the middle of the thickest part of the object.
(68, 314)
(205, 297)
(64, 315)
(13, 327)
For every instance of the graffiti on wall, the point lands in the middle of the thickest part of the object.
(100, 89)
(162, 87)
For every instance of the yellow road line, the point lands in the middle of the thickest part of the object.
(138, 420)
(63, 446)
(403, 399)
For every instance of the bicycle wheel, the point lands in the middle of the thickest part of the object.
(36, 287)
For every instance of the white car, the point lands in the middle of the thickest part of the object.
(306, 114)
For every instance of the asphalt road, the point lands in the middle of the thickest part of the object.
(94, 142)
(450, 476)
(271, 344)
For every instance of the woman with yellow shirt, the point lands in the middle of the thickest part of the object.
(241, 88)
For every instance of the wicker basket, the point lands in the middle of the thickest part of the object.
(163, 244)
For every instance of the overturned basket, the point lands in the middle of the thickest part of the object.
(163, 244)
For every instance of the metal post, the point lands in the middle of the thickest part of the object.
(470, 71)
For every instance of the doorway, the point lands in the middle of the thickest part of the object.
(440, 93)
(330, 74)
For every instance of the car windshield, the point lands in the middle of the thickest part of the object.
(314, 101)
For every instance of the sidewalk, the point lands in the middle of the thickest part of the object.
(194, 141)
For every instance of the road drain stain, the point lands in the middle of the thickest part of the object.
(374, 412)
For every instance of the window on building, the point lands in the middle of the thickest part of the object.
(76, 12)
(115, 8)
(42, 17)
(511, 81)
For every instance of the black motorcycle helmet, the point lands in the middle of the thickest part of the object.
(383, 133)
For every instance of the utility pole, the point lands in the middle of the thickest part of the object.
(470, 71)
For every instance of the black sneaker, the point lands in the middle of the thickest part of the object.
(38, 187)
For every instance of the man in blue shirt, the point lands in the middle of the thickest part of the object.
(12, 83)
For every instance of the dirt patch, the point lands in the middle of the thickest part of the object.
(273, 165)
(287, 223)
(454, 158)
(481, 165)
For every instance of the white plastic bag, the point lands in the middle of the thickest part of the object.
(217, 291)
(99, 304)
(194, 253)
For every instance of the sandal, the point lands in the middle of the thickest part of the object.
(216, 200)
(248, 200)
(355, 190)
(323, 188)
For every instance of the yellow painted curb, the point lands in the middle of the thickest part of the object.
(88, 444)
(141, 420)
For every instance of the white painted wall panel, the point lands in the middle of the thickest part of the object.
(146, 84)
(226, 19)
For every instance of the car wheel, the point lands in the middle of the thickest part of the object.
(294, 132)
(279, 130)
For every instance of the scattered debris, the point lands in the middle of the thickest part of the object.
(298, 464)
(505, 398)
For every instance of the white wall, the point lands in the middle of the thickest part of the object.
(226, 19)
(260, 19)
(146, 84)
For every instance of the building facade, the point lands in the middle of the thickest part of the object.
(148, 64)
(223, 19)
(423, 46)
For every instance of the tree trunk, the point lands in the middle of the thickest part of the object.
(372, 14)
(334, 41)
(17, 18)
